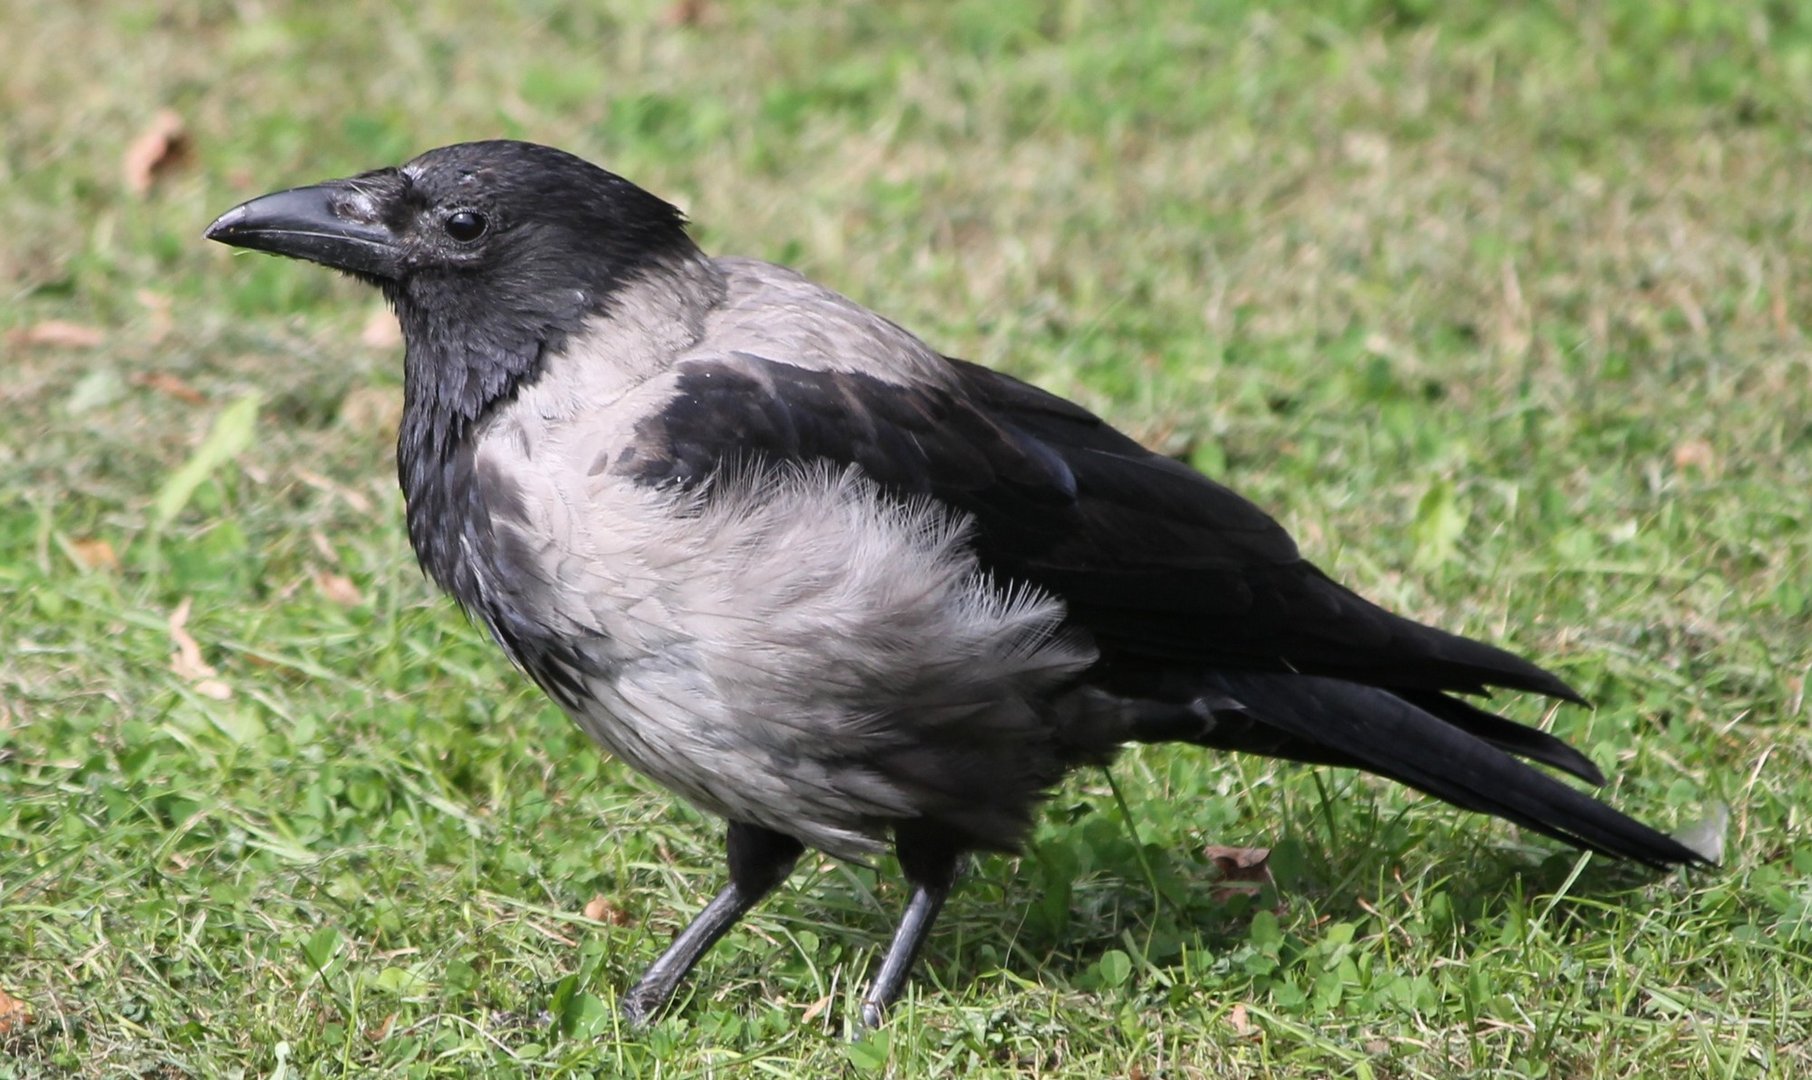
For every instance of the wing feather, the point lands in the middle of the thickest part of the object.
(1162, 566)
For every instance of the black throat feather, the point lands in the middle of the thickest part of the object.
(473, 342)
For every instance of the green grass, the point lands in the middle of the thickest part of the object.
(1503, 313)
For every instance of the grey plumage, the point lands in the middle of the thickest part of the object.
(777, 553)
(792, 646)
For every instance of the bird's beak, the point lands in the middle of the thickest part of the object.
(339, 223)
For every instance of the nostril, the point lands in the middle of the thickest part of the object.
(355, 206)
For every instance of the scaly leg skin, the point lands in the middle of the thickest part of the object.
(929, 857)
(760, 859)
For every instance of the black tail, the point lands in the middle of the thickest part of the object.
(1439, 745)
(1506, 735)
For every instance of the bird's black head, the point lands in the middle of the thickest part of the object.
(523, 237)
(493, 254)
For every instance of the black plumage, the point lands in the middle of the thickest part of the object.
(819, 579)
(1161, 565)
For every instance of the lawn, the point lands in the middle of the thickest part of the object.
(1502, 312)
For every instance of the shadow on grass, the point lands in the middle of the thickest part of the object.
(1049, 916)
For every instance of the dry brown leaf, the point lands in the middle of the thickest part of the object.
(686, 13)
(158, 319)
(602, 909)
(217, 689)
(58, 334)
(381, 330)
(382, 1031)
(815, 1009)
(94, 554)
(162, 146)
(1782, 317)
(1695, 454)
(1244, 871)
(1241, 1023)
(14, 1014)
(170, 386)
(338, 588)
(186, 661)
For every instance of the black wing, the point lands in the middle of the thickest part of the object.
(1168, 570)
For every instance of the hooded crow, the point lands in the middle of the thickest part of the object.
(782, 556)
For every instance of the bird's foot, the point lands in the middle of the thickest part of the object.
(642, 1004)
(873, 1014)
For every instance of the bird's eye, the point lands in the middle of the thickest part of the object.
(464, 226)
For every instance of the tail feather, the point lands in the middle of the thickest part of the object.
(1449, 752)
(1506, 735)
(1415, 654)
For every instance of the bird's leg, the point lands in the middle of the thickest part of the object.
(928, 855)
(760, 859)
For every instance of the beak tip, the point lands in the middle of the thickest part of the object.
(221, 230)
